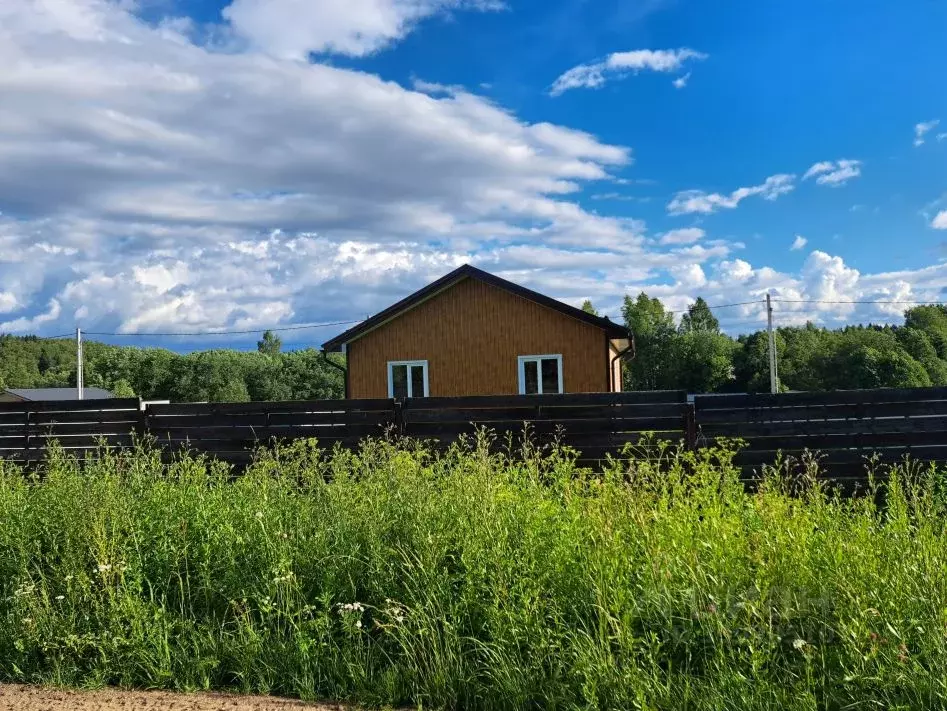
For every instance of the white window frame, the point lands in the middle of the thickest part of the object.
(521, 362)
(409, 363)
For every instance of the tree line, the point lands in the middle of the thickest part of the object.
(696, 356)
(221, 375)
(693, 355)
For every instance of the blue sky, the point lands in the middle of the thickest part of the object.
(200, 166)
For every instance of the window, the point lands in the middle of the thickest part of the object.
(540, 375)
(407, 378)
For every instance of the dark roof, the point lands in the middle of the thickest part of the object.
(466, 271)
(34, 394)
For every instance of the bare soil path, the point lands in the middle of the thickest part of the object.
(32, 698)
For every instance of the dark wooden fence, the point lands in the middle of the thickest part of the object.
(593, 424)
(846, 428)
(230, 431)
(27, 428)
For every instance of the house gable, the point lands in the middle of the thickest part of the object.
(471, 333)
(448, 281)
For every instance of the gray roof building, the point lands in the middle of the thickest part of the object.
(36, 394)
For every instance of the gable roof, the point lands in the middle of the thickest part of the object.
(468, 272)
(34, 394)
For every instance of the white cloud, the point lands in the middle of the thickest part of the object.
(941, 136)
(684, 235)
(292, 29)
(681, 81)
(698, 201)
(689, 276)
(834, 173)
(187, 188)
(922, 129)
(940, 220)
(619, 197)
(799, 243)
(618, 64)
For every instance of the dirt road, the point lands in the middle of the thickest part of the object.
(31, 698)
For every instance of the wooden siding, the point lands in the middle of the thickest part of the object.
(471, 335)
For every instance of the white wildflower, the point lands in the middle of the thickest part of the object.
(103, 567)
(68, 578)
(799, 644)
(25, 589)
(259, 514)
(358, 624)
(60, 597)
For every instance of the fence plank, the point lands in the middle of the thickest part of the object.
(837, 397)
(71, 405)
(316, 406)
(579, 399)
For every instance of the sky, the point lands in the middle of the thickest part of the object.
(178, 166)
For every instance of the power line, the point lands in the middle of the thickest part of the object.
(226, 333)
(720, 306)
(826, 301)
(759, 324)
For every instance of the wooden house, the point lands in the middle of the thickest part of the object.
(473, 333)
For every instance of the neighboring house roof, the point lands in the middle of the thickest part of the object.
(34, 394)
(468, 272)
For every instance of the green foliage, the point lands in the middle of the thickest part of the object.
(154, 373)
(699, 318)
(588, 308)
(702, 361)
(653, 329)
(270, 344)
(393, 577)
(698, 358)
(122, 388)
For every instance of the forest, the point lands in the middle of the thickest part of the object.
(696, 356)
(268, 373)
(693, 355)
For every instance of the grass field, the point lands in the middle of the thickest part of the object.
(472, 581)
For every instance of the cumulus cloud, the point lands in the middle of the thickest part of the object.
(188, 188)
(922, 129)
(940, 220)
(292, 29)
(798, 243)
(834, 173)
(619, 64)
(698, 201)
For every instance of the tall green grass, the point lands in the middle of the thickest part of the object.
(475, 581)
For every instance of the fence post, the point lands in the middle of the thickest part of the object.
(398, 415)
(26, 436)
(690, 426)
(140, 428)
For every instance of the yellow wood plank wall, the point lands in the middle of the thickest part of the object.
(471, 335)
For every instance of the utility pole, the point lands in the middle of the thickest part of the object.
(79, 384)
(773, 378)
